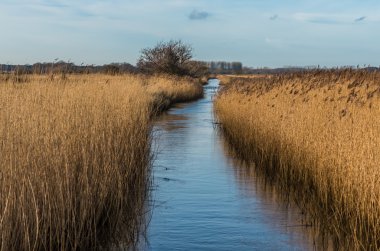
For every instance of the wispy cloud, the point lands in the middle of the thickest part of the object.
(319, 18)
(360, 19)
(199, 15)
(274, 17)
(322, 18)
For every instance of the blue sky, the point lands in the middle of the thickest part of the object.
(258, 33)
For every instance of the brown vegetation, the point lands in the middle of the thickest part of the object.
(317, 135)
(226, 79)
(75, 158)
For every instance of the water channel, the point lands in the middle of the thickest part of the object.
(204, 199)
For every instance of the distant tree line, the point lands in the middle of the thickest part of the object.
(191, 68)
(222, 67)
(68, 68)
(173, 57)
(290, 69)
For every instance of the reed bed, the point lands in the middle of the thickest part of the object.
(179, 89)
(226, 79)
(75, 158)
(317, 136)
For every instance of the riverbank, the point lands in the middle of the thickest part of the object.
(75, 157)
(316, 135)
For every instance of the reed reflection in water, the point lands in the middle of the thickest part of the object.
(289, 218)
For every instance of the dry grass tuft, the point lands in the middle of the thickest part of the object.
(75, 159)
(317, 135)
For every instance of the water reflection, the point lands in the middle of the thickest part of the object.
(275, 203)
(163, 120)
(204, 199)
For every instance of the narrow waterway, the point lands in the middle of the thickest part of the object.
(204, 199)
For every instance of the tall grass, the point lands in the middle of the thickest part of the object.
(178, 89)
(317, 135)
(75, 160)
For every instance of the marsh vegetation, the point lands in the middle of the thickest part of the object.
(75, 157)
(316, 136)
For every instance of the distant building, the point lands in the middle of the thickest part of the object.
(222, 67)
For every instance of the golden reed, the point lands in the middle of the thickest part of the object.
(317, 135)
(75, 158)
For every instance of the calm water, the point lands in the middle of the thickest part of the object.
(205, 200)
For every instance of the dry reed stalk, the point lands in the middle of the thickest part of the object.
(75, 159)
(317, 135)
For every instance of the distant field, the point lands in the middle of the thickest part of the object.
(75, 157)
(317, 135)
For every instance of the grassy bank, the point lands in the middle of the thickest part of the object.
(317, 136)
(177, 90)
(75, 157)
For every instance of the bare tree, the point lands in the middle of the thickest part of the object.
(171, 57)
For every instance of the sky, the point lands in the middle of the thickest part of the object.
(258, 33)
